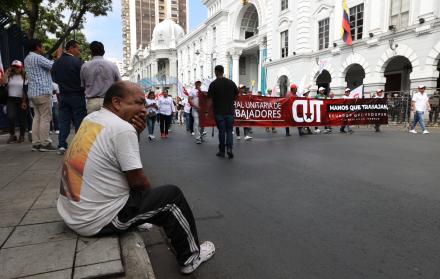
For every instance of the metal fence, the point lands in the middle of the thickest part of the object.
(399, 107)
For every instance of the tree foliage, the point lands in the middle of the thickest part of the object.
(59, 19)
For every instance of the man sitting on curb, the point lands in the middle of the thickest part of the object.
(104, 189)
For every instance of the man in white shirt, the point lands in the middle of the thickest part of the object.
(419, 104)
(193, 99)
(104, 189)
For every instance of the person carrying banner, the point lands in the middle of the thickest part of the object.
(289, 95)
(193, 99)
(346, 96)
(246, 130)
(419, 104)
(221, 95)
(379, 95)
(320, 95)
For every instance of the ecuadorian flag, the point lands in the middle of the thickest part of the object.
(346, 32)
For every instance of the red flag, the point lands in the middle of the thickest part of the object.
(346, 31)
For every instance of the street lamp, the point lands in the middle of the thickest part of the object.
(198, 52)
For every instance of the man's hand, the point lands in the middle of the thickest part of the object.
(139, 122)
(137, 180)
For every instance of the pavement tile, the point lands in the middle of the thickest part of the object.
(61, 274)
(10, 195)
(4, 232)
(33, 234)
(35, 259)
(13, 205)
(108, 269)
(44, 215)
(47, 199)
(9, 219)
(92, 250)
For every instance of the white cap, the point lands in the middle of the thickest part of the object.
(321, 88)
(17, 63)
(347, 89)
(421, 86)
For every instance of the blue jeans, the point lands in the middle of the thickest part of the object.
(187, 121)
(418, 117)
(55, 117)
(150, 123)
(225, 125)
(72, 108)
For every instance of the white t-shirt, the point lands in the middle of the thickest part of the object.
(15, 86)
(56, 90)
(166, 105)
(151, 109)
(194, 94)
(94, 187)
(186, 105)
(420, 100)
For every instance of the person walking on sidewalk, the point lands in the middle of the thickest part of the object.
(103, 186)
(152, 108)
(16, 104)
(40, 95)
(419, 104)
(97, 75)
(194, 96)
(221, 93)
(166, 111)
(54, 124)
(72, 105)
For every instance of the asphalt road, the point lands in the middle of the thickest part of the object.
(365, 205)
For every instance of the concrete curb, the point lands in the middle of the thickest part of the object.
(135, 257)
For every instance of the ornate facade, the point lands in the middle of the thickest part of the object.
(266, 44)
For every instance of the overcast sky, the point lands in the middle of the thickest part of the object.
(108, 30)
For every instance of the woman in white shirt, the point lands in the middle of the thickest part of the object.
(151, 104)
(15, 80)
(166, 110)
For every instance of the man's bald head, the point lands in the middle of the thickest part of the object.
(120, 89)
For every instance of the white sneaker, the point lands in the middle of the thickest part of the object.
(425, 131)
(207, 250)
(192, 134)
(413, 131)
(145, 227)
(238, 137)
(57, 132)
(61, 151)
(248, 137)
(317, 131)
(204, 133)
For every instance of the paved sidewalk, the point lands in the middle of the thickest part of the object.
(34, 241)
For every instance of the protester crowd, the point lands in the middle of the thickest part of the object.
(103, 186)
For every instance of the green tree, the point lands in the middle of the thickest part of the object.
(42, 19)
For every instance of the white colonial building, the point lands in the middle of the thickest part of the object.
(156, 65)
(267, 44)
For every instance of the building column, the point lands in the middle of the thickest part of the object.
(427, 8)
(235, 54)
(154, 71)
(236, 68)
(376, 16)
(262, 68)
